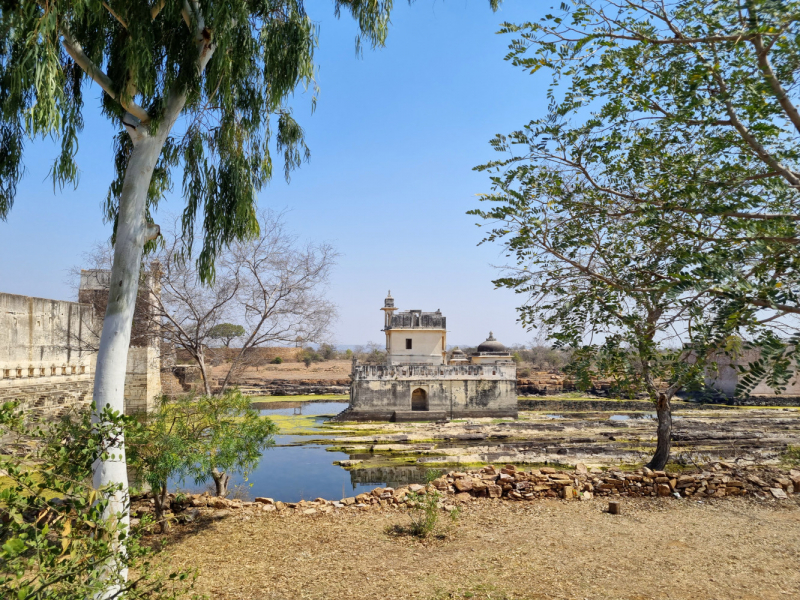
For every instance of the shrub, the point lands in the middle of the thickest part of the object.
(56, 540)
(424, 511)
(792, 455)
(524, 373)
(276, 361)
(202, 437)
(310, 356)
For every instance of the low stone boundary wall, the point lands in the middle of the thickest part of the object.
(610, 405)
(516, 485)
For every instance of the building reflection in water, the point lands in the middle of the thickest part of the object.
(393, 477)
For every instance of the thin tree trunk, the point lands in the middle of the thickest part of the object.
(161, 504)
(112, 357)
(664, 435)
(221, 482)
(201, 362)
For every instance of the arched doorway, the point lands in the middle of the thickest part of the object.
(419, 399)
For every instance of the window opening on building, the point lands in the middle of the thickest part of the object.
(408, 344)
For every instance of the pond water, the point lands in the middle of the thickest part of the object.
(291, 472)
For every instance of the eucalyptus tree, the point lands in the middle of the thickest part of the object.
(196, 85)
(672, 127)
(700, 98)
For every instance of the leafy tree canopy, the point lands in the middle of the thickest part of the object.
(226, 332)
(227, 67)
(666, 170)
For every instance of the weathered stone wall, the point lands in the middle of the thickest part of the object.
(142, 379)
(48, 351)
(48, 398)
(40, 338)
(725, 377)
(381, 391)
(46, 359)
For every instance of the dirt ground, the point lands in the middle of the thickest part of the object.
(330, 369)
(657, 548)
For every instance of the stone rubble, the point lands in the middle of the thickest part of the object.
(511, 483)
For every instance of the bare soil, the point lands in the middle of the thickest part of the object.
(657, 548)
(322, 371)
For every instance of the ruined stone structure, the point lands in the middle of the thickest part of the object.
(48, 351)
(418, 383)
(725, 378)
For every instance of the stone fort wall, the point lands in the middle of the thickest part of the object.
(48, 355)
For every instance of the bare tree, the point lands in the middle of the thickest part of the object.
(281, 290)
(187, 310)
(272, 284)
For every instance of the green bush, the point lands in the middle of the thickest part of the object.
(311, 356)
(424, 511)
(57, 540)
(276, 361)
(198, 437)
(792, 455)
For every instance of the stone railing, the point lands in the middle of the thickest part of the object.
(361, 372)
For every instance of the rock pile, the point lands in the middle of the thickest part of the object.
(509, 483)
(719, 480)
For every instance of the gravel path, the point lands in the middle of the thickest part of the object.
(657, 548)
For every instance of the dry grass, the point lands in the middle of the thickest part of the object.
(659, 548)
(330, 369)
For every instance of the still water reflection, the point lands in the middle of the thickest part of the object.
(291, 472)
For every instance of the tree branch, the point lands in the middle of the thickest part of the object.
(766, 68)
(115, 15)
(75, 50)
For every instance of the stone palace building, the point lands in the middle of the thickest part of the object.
(418, 382)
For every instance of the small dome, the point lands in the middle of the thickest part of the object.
(491, 345)
(457, 352)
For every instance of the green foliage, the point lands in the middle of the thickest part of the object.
(191, 436)
(310, 356)
(328, 352)
(276, 361)
(55, 542)
(652, 212)
(424, 512)
(226, 332)
(229, 67)
(792, 455)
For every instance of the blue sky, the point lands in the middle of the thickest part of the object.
(393, 141)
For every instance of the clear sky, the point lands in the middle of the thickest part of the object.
(393, 142)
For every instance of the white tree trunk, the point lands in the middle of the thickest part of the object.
(112, 357)
(132, 233)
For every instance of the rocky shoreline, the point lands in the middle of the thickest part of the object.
(509, 483)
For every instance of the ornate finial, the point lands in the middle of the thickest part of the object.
(389, 302)
(491, 337)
